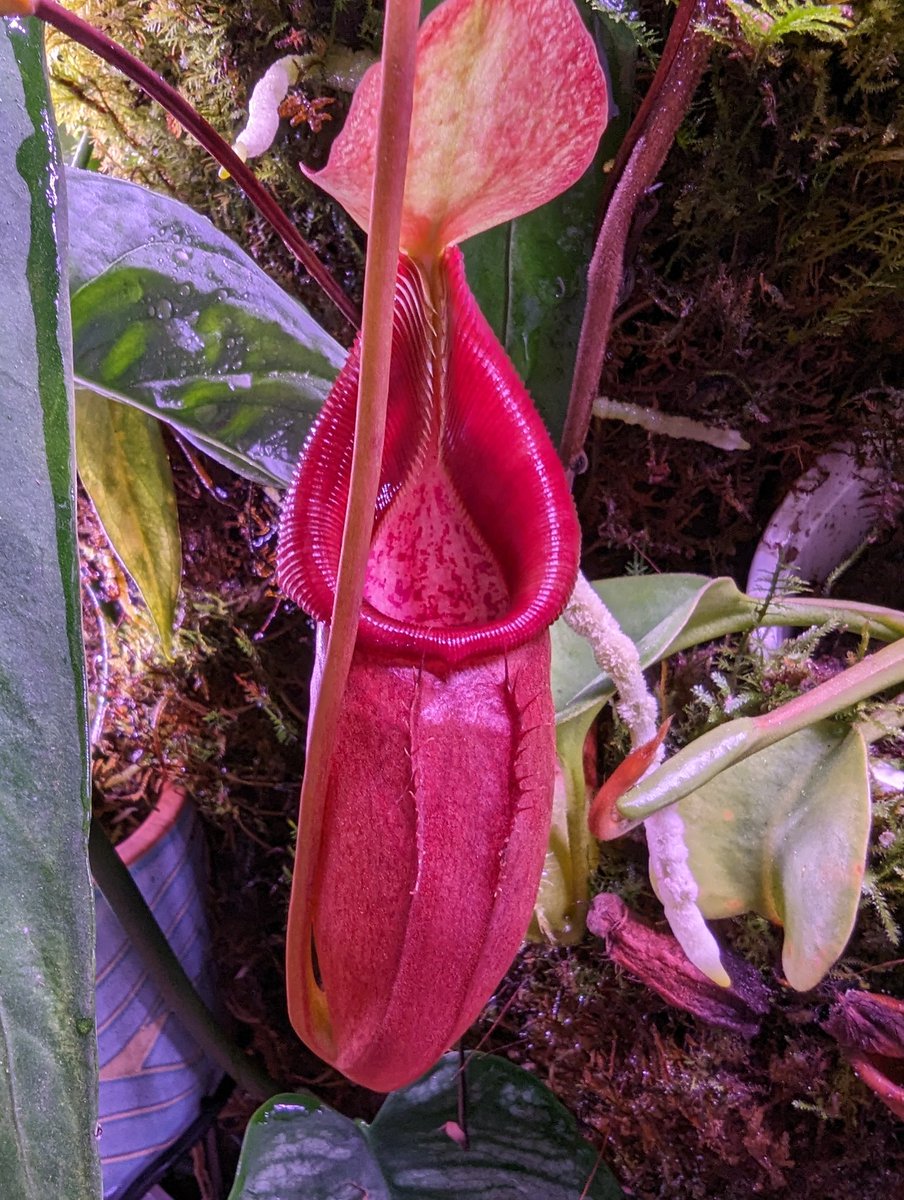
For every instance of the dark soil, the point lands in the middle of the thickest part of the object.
(878, 571)
(685, 1111)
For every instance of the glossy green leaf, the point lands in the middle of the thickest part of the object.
(48, 1070)
(125, 469)
(661, 614)
(785, 834)
(523, 1145)
(530, 275)
(170, 316)
(717, 749)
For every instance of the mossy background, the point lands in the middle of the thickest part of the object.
(764, 291)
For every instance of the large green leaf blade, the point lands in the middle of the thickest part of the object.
(785, 833)
(296, 1148)
(48, 1073)
(125, 469)
(523, 1145)
(169, 315)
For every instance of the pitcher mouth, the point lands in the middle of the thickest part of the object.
(475, 541)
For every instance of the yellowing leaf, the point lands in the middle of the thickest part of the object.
(124, 467)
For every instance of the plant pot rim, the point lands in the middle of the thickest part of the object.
(157, 824)
(823, 517)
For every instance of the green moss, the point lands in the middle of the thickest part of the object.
(764, 292)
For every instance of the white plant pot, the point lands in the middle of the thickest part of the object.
(819, 524)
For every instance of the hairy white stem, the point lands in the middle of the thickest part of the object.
(677, 890)
(617, 655)
(670, 872)
(654, 421)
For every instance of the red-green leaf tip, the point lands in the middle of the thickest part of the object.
(509, 105)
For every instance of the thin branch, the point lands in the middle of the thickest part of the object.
(204, 133)
(640, 160)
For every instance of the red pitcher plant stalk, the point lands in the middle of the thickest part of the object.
(424, 868)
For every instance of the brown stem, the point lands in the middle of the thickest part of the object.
(204, 133)
(307, 1005)
(649, 140)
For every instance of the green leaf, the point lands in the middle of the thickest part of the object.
(785, 834)
(48, 1069)
(523, 1145)
(661, 614)
(714, 751)
(530, 275)
(560, 912)
(170, 316)
(125, 469)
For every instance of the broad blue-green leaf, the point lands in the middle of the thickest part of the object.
(48, 1070)
(661, 614)
(524, 1145)
(785, 833)
(530, 275)
(125, 469)
(169, 315)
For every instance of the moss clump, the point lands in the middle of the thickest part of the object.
(765, 292)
